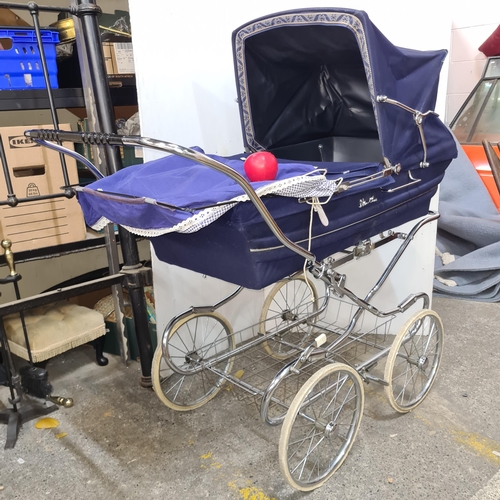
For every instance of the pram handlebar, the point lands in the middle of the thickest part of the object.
(95, 138)
(70, 152)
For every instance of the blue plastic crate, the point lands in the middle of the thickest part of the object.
(20, 63)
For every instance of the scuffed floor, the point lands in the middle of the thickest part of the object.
(121, 442)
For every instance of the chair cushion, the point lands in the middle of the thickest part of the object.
(53, 329)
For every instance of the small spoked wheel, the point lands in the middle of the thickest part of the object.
(191, 342)
(288, 301)
(320, 426)
(413, 361)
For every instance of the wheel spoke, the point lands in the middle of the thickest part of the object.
(193, 341)
(316, 464)
(309, 451)
(429, 337)
(302, 440)
(177, 336)
(344, 381)
(406, 383)
(176, 387)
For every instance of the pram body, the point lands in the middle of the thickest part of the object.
(310, 85)
(339, 104)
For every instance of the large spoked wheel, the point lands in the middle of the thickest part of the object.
(192, 341)
(413, 361)
(288, 301)
(320, 426)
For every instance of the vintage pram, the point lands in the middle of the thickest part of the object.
(349, 116)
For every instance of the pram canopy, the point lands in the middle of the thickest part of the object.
(307, 76)
(337, 103)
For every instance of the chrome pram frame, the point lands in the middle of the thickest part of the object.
(302, 369)
(310, 370)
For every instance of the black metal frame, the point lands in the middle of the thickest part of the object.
(21, 411)
(133, 275)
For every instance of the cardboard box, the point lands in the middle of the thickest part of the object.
(9, 18)
(119, 67)
(36, 170)
(119, 61)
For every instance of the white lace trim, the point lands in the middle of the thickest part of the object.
(313, 185)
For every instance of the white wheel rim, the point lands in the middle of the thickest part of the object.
(413, 360)
(329, 434)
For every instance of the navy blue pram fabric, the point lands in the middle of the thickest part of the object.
(240, 248)
(173, 180)
(309, 84)
(125, 197)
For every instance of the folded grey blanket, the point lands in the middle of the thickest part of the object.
(468, 237)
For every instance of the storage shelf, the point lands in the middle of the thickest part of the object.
(92, 241)
(17, 100)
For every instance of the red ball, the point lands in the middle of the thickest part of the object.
(261, 166)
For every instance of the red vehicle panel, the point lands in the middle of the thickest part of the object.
(479, 119)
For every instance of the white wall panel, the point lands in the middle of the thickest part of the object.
(184, 65)
(470, 28)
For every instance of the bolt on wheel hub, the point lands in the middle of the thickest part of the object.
(331, 429)
(423, 362)
(192, 358)
(289, 316)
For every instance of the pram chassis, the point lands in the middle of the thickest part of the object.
(326, 385)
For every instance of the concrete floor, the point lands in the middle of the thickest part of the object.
(121, 442)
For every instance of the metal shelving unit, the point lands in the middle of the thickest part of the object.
(18, 100)
(99, 100)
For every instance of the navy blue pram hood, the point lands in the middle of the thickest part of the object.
(317, 73)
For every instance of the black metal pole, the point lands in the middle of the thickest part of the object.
(88, 11)
(11, 197)
(9, 364)
(55, 119)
